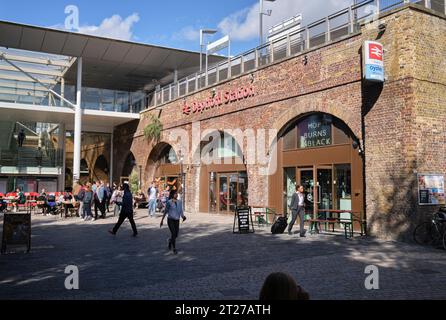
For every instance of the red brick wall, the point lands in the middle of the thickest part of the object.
(402, 123)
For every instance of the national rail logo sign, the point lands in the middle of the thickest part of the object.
(373, 69)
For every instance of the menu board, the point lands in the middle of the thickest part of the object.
(243, 219)
(431, 189)
(16, 230)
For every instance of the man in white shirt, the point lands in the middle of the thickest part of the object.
(297, 208)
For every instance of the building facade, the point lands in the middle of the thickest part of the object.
(352, 144)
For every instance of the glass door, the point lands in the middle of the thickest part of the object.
(306, 179)
(325, 190)
(242, 189)
(232, 192)
(223, 188)
(213, 192)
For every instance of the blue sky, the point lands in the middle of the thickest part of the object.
(171, 23)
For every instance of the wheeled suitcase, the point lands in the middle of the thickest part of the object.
(279, 226)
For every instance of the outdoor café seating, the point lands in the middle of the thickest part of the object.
(345, 219)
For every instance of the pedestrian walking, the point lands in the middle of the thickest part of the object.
(87, 198)
(126, 211)
(108, 195)
(297, 208)
(117, 200)
(174, 211)
(21, 137)
(153, 195)
(99, 200)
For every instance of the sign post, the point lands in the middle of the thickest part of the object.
(243, 219)
(16, 230)
(214, 47)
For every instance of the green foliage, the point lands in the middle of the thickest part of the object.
(153, 130)
(134, 181)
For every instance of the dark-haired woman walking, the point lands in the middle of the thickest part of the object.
(174, 211)
(126, 211)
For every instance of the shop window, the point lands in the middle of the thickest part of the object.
(343, 186)
(168, 156)
(290, 139)
(229, 147)
(315, 131)
(289, 185)
(339, 134)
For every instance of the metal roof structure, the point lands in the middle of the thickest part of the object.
(107, 63)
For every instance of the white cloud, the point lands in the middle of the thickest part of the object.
(188, 33)
(114, 27)
(244, 24)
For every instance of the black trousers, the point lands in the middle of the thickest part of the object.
(294, 213)
(121, 219)
(174, 227)
(99, 205)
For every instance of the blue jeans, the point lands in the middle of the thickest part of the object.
(152, 207)
(87, 210)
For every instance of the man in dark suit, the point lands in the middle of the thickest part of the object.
(298, 208)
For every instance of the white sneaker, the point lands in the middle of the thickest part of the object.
(93, 219)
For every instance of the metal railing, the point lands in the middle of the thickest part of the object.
(331, 28)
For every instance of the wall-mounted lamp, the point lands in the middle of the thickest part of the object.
(382, 27)
(356, 145)
(305, 60)
(213, 92)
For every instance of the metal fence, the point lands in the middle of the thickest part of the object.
(331, 28)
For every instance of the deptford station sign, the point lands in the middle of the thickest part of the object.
(218, 99)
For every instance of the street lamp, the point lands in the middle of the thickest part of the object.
(202, 33)
(261, 13)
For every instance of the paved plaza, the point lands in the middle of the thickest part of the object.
(212, 263)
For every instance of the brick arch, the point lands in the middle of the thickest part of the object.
(221, 124)
(299, 110)
(151, 159)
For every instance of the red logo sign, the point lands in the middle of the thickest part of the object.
(218, 99)
(376, 51)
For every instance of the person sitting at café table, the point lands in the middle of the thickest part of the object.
(20, 199)
(3, 204)
(69, 202)
(139, 198)
(60, 199)
(41, 200)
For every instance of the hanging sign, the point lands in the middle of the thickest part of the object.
(373, 68)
